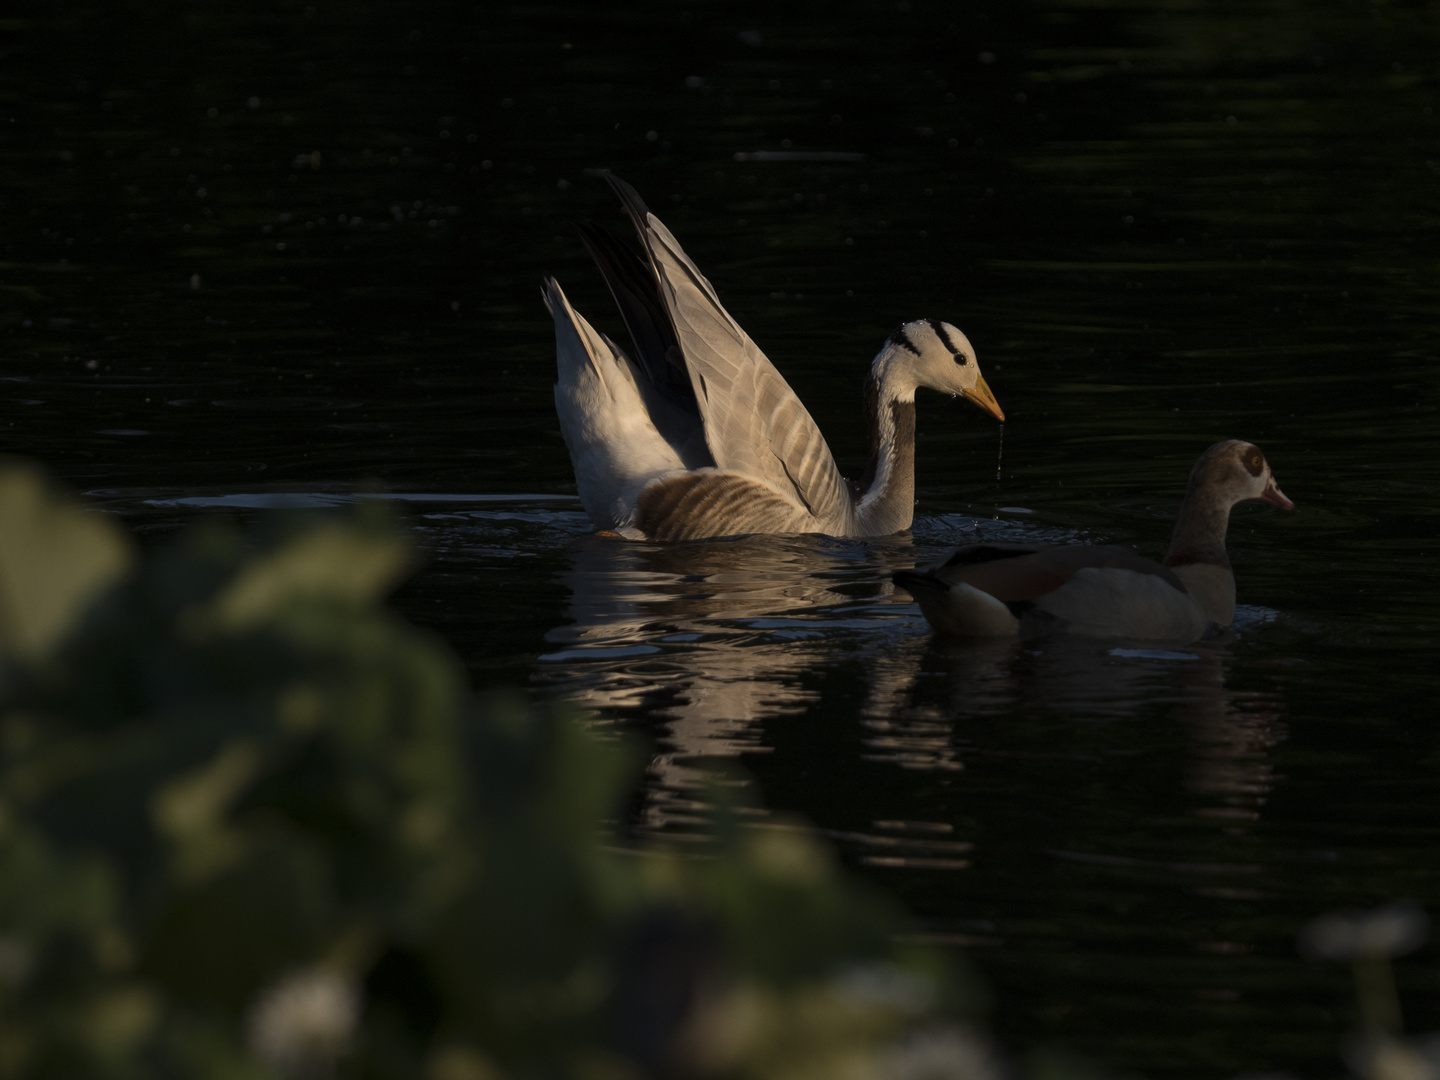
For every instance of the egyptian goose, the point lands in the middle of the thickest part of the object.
(698, 435)
(989, 590)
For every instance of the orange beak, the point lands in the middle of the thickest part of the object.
(983, 398)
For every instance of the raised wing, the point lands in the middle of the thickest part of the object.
(664, 382)
(755, 425)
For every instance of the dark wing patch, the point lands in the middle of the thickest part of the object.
(637, 295)
(981, 553)
(1108, 557)
(916, 582)
(666, 387)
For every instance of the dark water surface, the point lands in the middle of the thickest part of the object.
(256, 255)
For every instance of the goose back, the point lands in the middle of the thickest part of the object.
(1089, 590)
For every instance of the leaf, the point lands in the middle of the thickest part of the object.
(189, 810)
(55, 558)
(331, 561)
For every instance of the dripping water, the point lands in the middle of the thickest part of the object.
(999, 457)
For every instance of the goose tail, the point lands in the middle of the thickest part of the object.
(957, 609)
(576, 342)
(614, 446)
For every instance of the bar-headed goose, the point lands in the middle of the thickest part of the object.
(992, 590)
(697, 435)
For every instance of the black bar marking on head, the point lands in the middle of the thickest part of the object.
(944, 335)
(902, 339)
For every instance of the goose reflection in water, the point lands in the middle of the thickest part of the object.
(712, 639)
(1232, 732)
(1064, 681)
(708, 643)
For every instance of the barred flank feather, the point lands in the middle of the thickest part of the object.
(693, 506)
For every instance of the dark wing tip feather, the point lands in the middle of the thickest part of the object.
(632, 283)
(634, 204)
(917, 581)
(983, 553)
(617, 262)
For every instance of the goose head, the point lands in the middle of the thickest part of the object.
(1233, 471)
(1227, 473)
(934, 354)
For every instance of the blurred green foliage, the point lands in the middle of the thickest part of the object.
(253, 824)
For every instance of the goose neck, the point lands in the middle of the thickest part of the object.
(1200, 528)
(887, 489)
(1197, 553)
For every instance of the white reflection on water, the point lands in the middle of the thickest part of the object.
(712, 639)
(1229, 730)
(737, 625)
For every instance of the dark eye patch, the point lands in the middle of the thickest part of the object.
(1255, 463)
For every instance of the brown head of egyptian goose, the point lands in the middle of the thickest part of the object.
(989, 590)
(698, 435)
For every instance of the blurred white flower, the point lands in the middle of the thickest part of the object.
(887, 986)
(304, 1021)
(1384, 1058)
(16, 961)
(942, 1053)
(1391, 930)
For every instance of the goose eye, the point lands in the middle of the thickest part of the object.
(961, 359)
(1255, 464)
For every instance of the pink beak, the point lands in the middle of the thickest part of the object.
(1273, 494)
